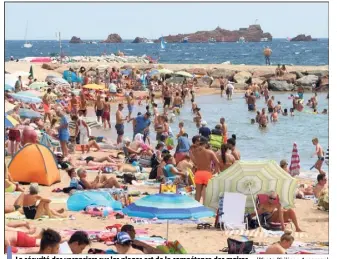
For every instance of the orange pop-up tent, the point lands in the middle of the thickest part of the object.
(34, 163)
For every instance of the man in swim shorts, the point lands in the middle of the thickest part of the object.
(203, 159)
(131, 102)
(120, 123)
(320, 155)
(99, 106)
(270, 104)
(251, 101)
(167, 97)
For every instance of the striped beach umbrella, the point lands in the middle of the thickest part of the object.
(295, 167)
(30, 93)
(167, 206)
(10, 122)
(250, 179)
(27, 113)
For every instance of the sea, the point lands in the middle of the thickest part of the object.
(250, 53)
(273, 143)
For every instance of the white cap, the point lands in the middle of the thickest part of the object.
(203, 123)
(126, 140)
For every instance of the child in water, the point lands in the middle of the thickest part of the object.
(274, 115)
(292, 112)
(285, 112)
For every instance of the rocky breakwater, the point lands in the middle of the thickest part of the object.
(113, 38)
(253, 33)
(303, 37)
(288, 82)
(75, 39)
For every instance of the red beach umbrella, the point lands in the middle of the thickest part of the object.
(295, 167)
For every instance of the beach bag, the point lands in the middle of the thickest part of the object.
(128, 178)
(168, 188)
(172, 248)
(169, 142)
(215, 141)
(240, 247)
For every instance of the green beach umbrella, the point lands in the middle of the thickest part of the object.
(252, 178)
(31, 72)
(165, 71)
(183, 73)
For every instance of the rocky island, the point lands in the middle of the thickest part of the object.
(74, 39)
(303, 37)
(140, 40)
(253, 33)
(113, 38)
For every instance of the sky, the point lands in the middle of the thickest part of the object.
(151, 20)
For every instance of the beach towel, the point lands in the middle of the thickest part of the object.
(154, 241)
(18, 216)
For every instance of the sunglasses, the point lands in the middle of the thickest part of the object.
(272, 198)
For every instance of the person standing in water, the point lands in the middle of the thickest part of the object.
(270, 104)
(263, 119)
(224, 130)
(267, 53)
(251, 101)
(222, 85)
(120, 123)
(203, 159)
(131, 102)
(320, 155)
(229, 90)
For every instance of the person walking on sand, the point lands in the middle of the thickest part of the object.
(106, 113)
(203, 159)
(46, 105)
(320, 155)
(120, 123)
(63, 131)
(99, 105)
(267, 53)
(83, 104)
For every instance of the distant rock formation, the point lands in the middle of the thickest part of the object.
(302, 37)
(113, 38)
(74, 39)
(253, 33)
(140, 40)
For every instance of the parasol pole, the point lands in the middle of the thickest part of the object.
(167, 231)
(257, 215)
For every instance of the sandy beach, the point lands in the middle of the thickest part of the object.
(314, 222)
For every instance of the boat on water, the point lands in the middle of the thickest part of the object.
(241, 40)
(148, 41)
(185, 40)
(212, 40)
(27, 44)
(264, 39)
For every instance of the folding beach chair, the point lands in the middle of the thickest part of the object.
(232, 213)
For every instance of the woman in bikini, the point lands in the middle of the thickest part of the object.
(226, 159)
(281, 247)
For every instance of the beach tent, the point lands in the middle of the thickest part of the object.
(252, 178)
(71, 77)
(34, 163)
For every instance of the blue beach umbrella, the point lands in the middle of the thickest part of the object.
(167, 206)
(9, 87)
(26, 99)
(126, 72)
(26, 113)
(10, 122)
(153, 72)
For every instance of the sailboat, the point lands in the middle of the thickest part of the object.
(27, 44)
(162, 43)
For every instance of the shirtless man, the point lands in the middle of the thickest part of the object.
(46, 105)
(120, 123)
(203, 159)
(270, 104)
(224, 129)
(263, 119)
(131, 102)
(73, 104)
(99, 105)
(276, 213)
(274, 116)
(177, 101)
(320, 155)
(106, 113)
(266, 94)
(222, 85)
(167, 98)
(278, 107)
(321, 184)
(314, 101)
(198, 117)
(251, 101)
(281, 247)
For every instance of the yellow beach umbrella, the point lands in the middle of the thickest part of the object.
(94, 87)
(165, 71)
(183, 73)
(10, 121)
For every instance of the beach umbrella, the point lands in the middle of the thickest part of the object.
(9, 87)
(91, 122)
(10, 122)
(252, 178)
(112, 88)
(167, 206)
(154, 72)
(30, 93)
(165, 71)
(183, 73)
(25, 98)
(31, 72)
(37, 85)
(126, 72)
(10, 81)
(76, 92)
(94, 87)
(59, 82)
(295, 167)
(27, 113)
(50, 77)
(9, 106)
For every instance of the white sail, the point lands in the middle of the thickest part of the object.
(27, 44)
